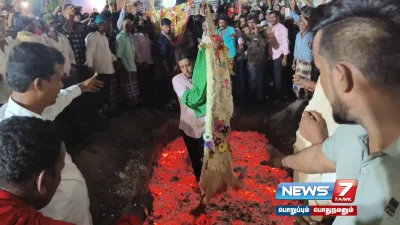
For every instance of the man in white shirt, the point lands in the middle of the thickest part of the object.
(60, 42)
(34, 72)
(192, 128)
(99, 59)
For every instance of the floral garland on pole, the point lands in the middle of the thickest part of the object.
(217, 173)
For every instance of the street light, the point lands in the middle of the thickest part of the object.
(24, 5)
(168, 3)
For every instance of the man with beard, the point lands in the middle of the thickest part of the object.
(278, 51)
(362, 86)
(228, 34)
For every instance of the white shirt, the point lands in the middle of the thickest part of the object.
(98, 54)
(26, 36)
(71, 200)
(189, 123)
(65, 48)
(143, 48)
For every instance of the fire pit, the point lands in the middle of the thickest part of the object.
(176, 191)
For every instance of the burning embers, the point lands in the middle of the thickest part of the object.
(176, 191)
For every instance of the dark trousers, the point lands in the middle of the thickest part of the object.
(86, 101)
(256, 81)
(104, 93)
(163, 89)
(146, 83)
(195, 147)
(69, 120)
(276, 69)
(239, 80)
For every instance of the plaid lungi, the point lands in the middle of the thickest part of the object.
(303, 69)
(131, 89)
(116, 95)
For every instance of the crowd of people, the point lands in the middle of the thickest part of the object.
(112, 59)
(271, 49)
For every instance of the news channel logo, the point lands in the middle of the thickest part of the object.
(342, 191)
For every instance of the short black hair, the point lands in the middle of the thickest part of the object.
(28, 145)
(242, 17)
(306, 11)
(130, 16)
(277, 14)
(94, 14)
(65, 7)
(26, 20)
(182, 54)
(320, 13)
(365, 33)
(252, 16)
(29, 61)
(224, 18)
(165, 21)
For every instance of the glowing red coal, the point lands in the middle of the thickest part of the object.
(176, 191)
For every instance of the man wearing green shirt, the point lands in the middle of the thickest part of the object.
(357, 50)
(125, 54)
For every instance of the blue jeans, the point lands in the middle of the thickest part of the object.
(256, 81)
(276, 71)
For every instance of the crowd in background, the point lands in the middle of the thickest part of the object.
(268, 47)
(350, 129)
(137, 65)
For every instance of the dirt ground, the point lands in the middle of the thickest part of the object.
(115, 161)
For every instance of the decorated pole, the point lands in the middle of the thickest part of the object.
(217, 173)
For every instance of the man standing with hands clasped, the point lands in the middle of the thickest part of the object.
(363, 88)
